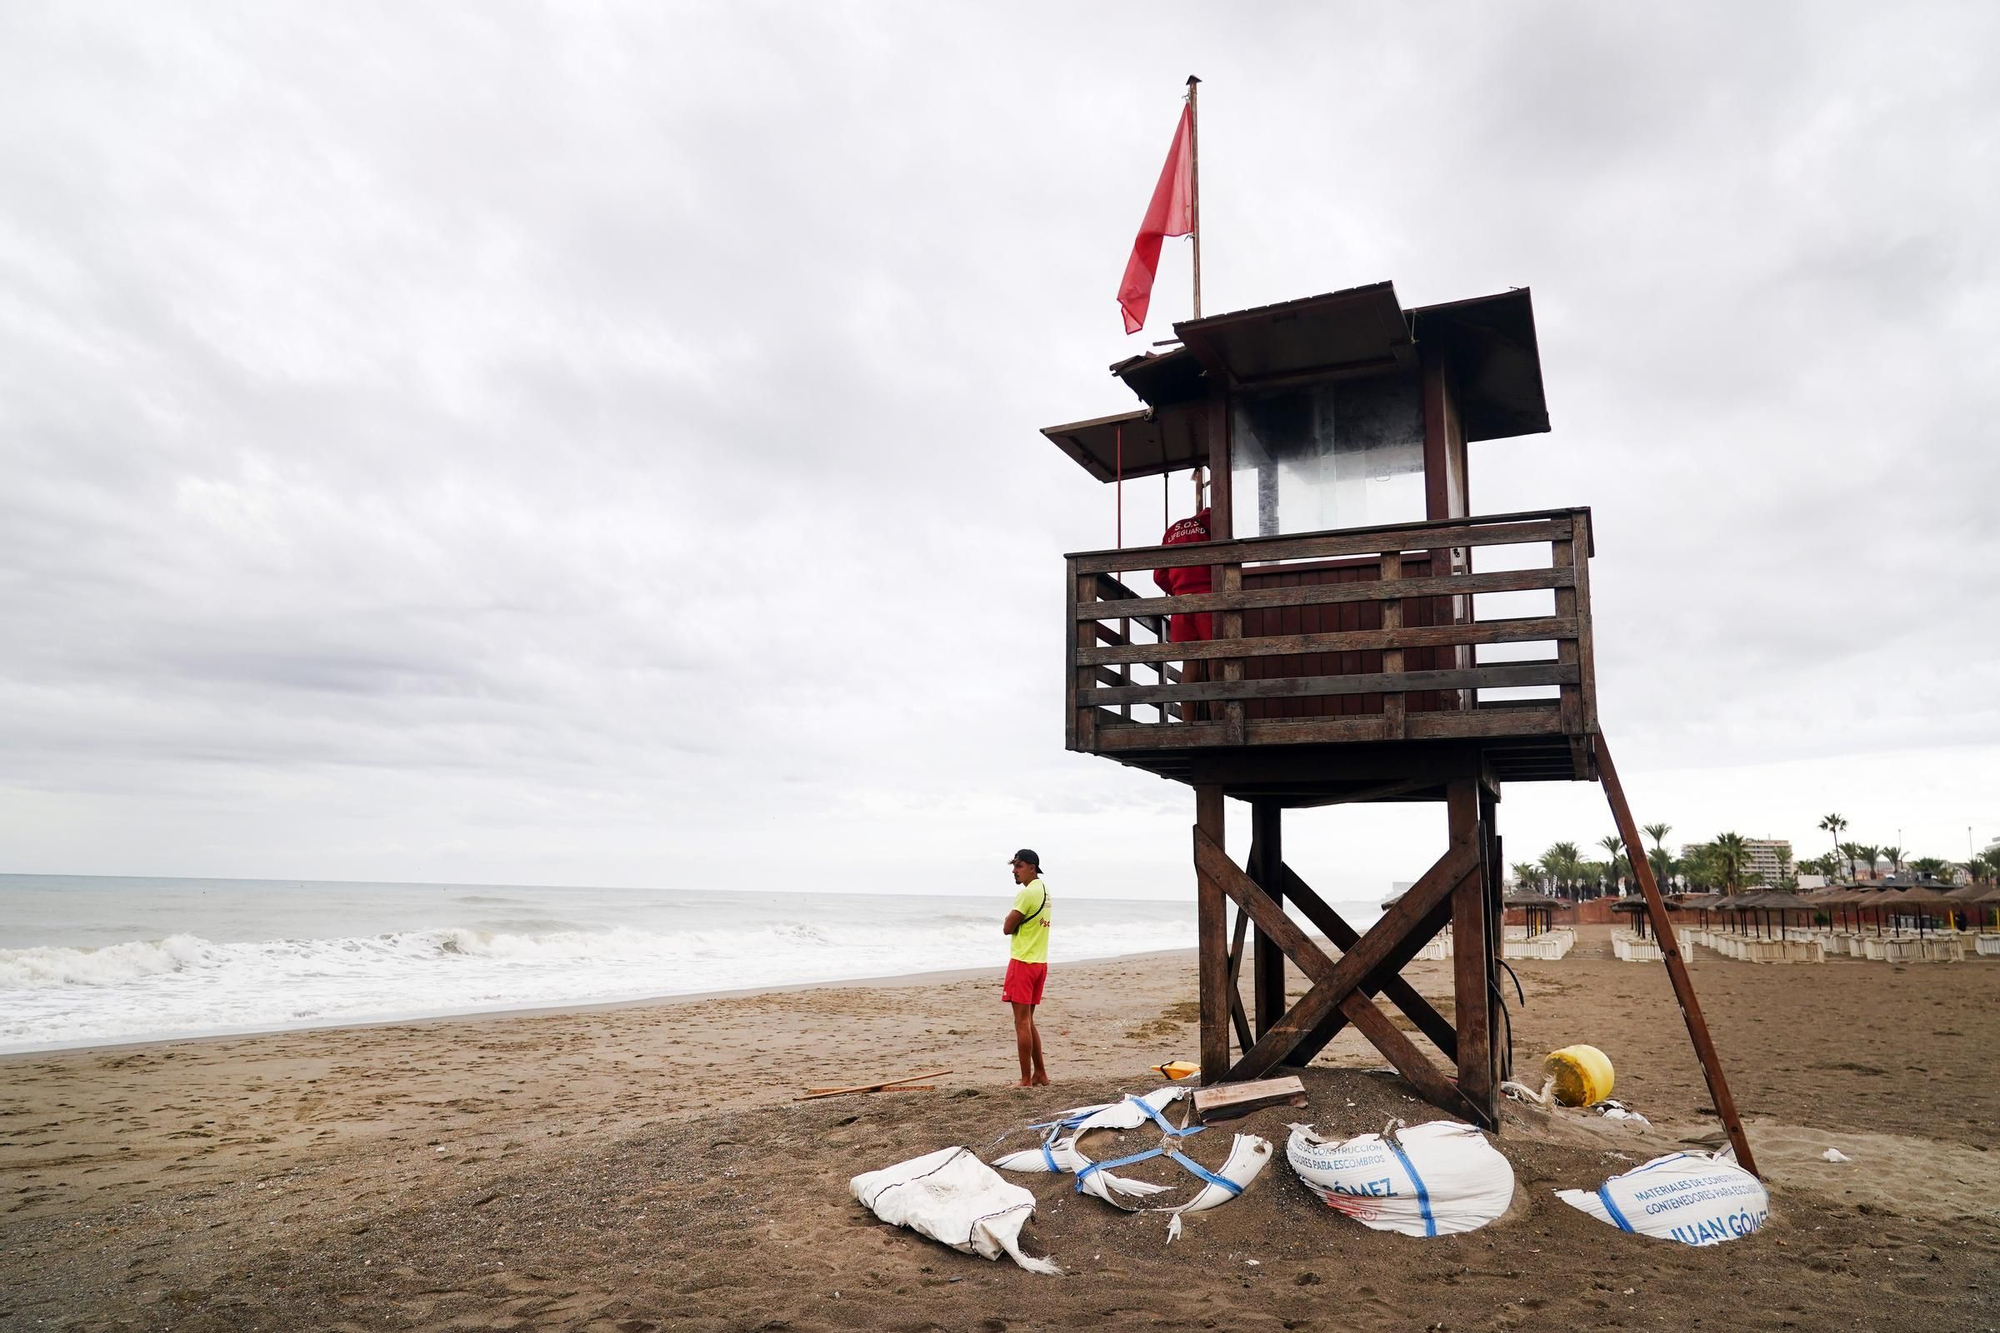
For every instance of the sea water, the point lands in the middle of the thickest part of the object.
(88, 960)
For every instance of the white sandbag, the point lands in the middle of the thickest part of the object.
(1436, 1179)
(1130, 1112)
(1060, 1158)
(1247, 1155)
(1112, 1188)
(1063, 1157)
(1694, 1198)
(953, 1197)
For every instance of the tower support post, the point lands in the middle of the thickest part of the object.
(1212, 941)
(1267, 859)
(1472, 961)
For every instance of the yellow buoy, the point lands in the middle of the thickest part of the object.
(1582, 1075)
(1177, 1069)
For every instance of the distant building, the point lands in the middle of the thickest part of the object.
(1765, 856)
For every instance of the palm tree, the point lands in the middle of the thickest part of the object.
(1852, 852)
(1895, 855)
(1733, 849)
(1662, 863)
(1931, 867)
(1561, 862)
(1833, 824)
(1871, 855)
(1701, 865)
(1613, 844)
(1786, 879)
(1527, 874)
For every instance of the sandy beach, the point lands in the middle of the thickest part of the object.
(646, 1166)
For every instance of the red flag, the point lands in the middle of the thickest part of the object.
(1170, 214)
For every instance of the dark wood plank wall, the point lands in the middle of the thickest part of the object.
(1341, 616)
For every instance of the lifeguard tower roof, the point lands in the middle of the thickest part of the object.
(1488, 341)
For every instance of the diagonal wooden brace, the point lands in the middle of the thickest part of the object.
(1677, 973)
(1236, 1014)
(1337, 985)
(1399, 958)
(1398, 991)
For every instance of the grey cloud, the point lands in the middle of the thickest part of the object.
(519, 442)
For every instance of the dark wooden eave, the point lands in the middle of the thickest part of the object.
(1487, 343)
(1162, 379)
(1150, 441)
(1357, 331)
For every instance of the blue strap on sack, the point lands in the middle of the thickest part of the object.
(1423, 1194)
(1151, 1114)
(1115, 1161)
(1604, 1197)
(1205, 1173)
(1161, 1151)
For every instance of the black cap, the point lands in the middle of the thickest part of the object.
(1028, 855)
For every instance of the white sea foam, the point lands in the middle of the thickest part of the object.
(85, 961)
(184, 984)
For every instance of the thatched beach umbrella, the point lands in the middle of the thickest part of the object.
(1865, 900)
(1921, 900)
(1538, 908)
(1784, 902)
(1636, 908)
(1817, 904)
(1837, 901)
(1703, 903)
(1966, 898)
(1869, 901)
(1742, 907)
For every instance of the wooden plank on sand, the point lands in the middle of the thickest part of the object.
(869, 1087)
(1226, 1101)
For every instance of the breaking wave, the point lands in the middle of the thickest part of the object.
(185, 985)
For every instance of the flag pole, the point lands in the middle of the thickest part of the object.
(1194, 186)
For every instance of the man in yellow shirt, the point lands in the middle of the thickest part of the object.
(1027, 962)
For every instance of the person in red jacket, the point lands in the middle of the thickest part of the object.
(1188, 578)
(1184, 580)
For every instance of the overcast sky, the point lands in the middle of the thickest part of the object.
(598, 443)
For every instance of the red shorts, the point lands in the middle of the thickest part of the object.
(1024, 982)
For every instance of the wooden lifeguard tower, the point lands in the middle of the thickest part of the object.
(1349, 661)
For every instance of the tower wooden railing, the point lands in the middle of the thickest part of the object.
(1351, 635)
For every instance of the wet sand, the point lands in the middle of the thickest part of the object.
(646, 1166)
